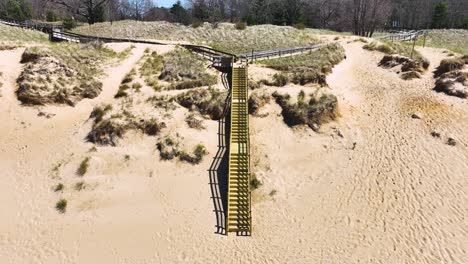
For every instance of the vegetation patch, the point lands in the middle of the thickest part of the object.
(62, 73)
(255, 183)
(455, 40)
(310, 67)
(170, 148)
(411, 60)
(59, 187)
(185, 70)
(225, 36)
(452, 77)
(61, 205)
(411, 69)
(311, 110)
(196, 157)
(83, 168)
(150, 69)
(452, 64)
(257, 100)
(210, 102)
(194, 121)
(453, 83)
(107, 128)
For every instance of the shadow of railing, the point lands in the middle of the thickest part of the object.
(218, 171)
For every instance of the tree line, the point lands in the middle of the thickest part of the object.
(362, 17)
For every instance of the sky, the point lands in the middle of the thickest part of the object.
(166, 3)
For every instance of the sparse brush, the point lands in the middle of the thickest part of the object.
(83, 168)
(194, 121)
(107, 132)
(273, 193)
(168, 148)
(61, 205)
(99, 112)
(151, 127)
(137, 87)
(197, 156)
(122, 92)
(127, 157)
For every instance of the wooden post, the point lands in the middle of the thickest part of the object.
(414, 44)
(424, 43)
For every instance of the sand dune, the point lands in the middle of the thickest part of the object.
(373, 187)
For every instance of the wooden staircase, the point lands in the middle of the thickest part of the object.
(239, 217)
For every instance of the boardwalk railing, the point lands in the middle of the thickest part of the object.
(403, 35)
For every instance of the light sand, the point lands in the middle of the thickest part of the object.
(385, 192)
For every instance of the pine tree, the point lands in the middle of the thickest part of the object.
(440, 15)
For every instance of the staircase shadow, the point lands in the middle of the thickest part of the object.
(219, 168)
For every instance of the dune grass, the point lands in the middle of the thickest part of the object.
(455, 40)
(310, 67)
(225, 37)
(17, 36)
(63, 72)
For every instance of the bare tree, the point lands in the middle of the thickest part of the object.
(88, 9)
(369, 14)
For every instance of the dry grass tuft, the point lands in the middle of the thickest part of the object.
(398, 48)
(453, 83)
(194, 121)
(452, 64)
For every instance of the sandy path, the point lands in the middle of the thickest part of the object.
(398, 197)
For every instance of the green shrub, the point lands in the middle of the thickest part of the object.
(280, 79)
(240, 25)
(50, 16)
(68, 23)
(83, 168)
(59, 187)
(61, 205)
(299, 26)
(98, 113)
(197, 24)
(255, 183)
(122, 92)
